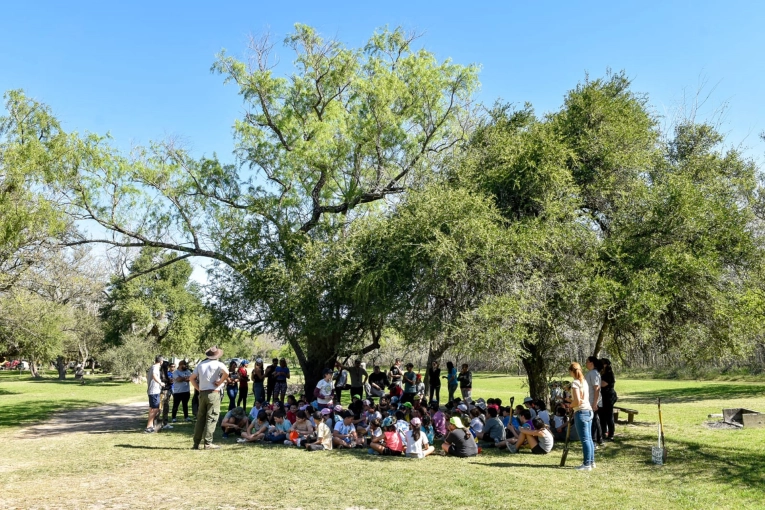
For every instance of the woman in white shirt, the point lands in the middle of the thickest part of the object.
(416, 441)
(580, 401)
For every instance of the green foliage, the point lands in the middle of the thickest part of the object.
(131, 358)
(163, 305)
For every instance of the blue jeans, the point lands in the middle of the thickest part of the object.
(275, 438)
(257, 389)
(583, 423)
(232, 391)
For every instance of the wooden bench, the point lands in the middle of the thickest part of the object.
(630, 413)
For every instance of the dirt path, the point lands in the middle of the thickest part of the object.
(116, 417)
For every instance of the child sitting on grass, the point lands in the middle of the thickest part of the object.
(277, 433)
(539, 440)
(323, 434)
(257, 429)
(345, 432)
(303, 428)
(389, 443)
(417, 445)
(234, 421)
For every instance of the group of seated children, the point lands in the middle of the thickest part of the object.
(395, 428)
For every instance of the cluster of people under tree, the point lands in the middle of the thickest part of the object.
(403, 421)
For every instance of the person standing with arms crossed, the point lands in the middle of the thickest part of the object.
(359, 378)
(208, 378)
(596, 400)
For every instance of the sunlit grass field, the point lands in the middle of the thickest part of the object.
(706, 468)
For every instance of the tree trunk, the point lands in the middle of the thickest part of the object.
(601, 337)
(61, 367)
(33, 369)
(535, 363)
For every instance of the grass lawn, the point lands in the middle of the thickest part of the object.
(706, 468)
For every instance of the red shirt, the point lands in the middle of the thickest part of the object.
(242, 377)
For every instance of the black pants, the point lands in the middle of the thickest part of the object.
(195, 403)
(407, 397)
(338, 395)
(435, 390)
(606, 415)
(241, 400)
(181, 398)
(269, 391)
(597, 433)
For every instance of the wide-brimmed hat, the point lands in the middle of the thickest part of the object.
(213, 352)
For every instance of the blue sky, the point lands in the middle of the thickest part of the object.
(140, 70)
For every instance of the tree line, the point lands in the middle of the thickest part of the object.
(371, 198)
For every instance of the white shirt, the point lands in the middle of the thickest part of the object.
(593, 379)
(209, 371)
(414, 448)
(326, 389)
(584, 404)
(155, 388)
(183, 386)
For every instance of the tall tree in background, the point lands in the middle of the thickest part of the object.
(350, 127)
(163, 305)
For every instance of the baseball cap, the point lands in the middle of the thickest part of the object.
(456, 422)
(416, 422)
(528, 400)
(406, 404)
(462, 407)
(338, 408)
(387, 422)
(367, 403)
(246, 362)
(259, 360)
(418, 397)
(326, 411)
(357, 396)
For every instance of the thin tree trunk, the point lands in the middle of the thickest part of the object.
(33, 369)
(601, 337)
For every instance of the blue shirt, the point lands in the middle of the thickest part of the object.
(452, 376)
(281, 373)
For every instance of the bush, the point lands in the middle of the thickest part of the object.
(131, 359)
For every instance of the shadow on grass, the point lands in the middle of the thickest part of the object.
(139, 447)
(520, 464)
(95, 381)
(33, 411)
(695, 394)
(88, 417)
(6, 392)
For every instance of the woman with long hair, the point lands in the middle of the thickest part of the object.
(606, 411)
(258, 379)
(580, 402)
(417, 445)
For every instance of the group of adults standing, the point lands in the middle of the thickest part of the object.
(593, 397)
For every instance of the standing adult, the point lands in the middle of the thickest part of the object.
(596, 400)
(271, 379)
(325, 390)
(359, 378)
(281, 374)
(451, 380)
(244, 378)
(154, 380)
(580, 402)
(465, 379)
(340, 377)
(434, 380)
(258, 379)
(166, 375)
(608, 397)
(181, 390)
(208, 378)
(232, 385)
(396, 374)
(378, 381)
(410, 384)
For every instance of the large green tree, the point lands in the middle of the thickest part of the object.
(316, 150)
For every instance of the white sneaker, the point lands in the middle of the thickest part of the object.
(593, 465)
(167, 427)
(174, 420)
(187, 419)
(584, 468)
(241, 440)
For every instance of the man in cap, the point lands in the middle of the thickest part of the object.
(208, 377)
(528, 402)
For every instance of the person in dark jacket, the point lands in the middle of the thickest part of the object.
(434, 380)
(465, 378)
